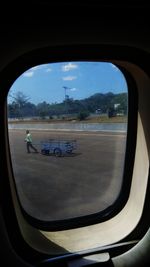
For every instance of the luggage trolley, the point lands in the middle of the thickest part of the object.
(58, 147)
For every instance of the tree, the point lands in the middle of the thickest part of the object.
(43, 109)
(83, 115)
(19, 102)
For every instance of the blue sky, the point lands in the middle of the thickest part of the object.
(82, 79)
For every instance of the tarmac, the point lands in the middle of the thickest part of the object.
(85, 182)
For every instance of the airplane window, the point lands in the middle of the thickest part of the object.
(67, 125)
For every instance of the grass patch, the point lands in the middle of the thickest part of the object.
(99, 119)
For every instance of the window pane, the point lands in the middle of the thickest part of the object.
(67, 130)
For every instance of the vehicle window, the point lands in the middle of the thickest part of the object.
(67, 125)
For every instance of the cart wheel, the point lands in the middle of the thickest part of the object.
(57, 152)
(44, 151)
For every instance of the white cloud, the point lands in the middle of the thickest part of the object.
(69, 78)
(40, 67)
(73, 89)
(48, 70)
(35, 68)
(28, 74)
(32, 71)
(69, 66)
(114, 67)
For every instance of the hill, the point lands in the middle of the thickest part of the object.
(98, 103)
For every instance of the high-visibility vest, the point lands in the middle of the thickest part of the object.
(28, 138)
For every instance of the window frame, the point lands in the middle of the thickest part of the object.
(58, 56)
(15, 69)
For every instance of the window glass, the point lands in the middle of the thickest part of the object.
(67, 126)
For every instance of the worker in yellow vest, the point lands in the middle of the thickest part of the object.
(28, 141)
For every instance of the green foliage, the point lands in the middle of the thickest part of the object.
(82, 115)
(21, 107)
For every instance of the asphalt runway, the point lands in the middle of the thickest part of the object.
(55, 188)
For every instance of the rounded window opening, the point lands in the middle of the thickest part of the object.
(67, 126)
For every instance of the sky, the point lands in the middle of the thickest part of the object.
(79, 80)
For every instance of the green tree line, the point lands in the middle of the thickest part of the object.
(21, 107)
